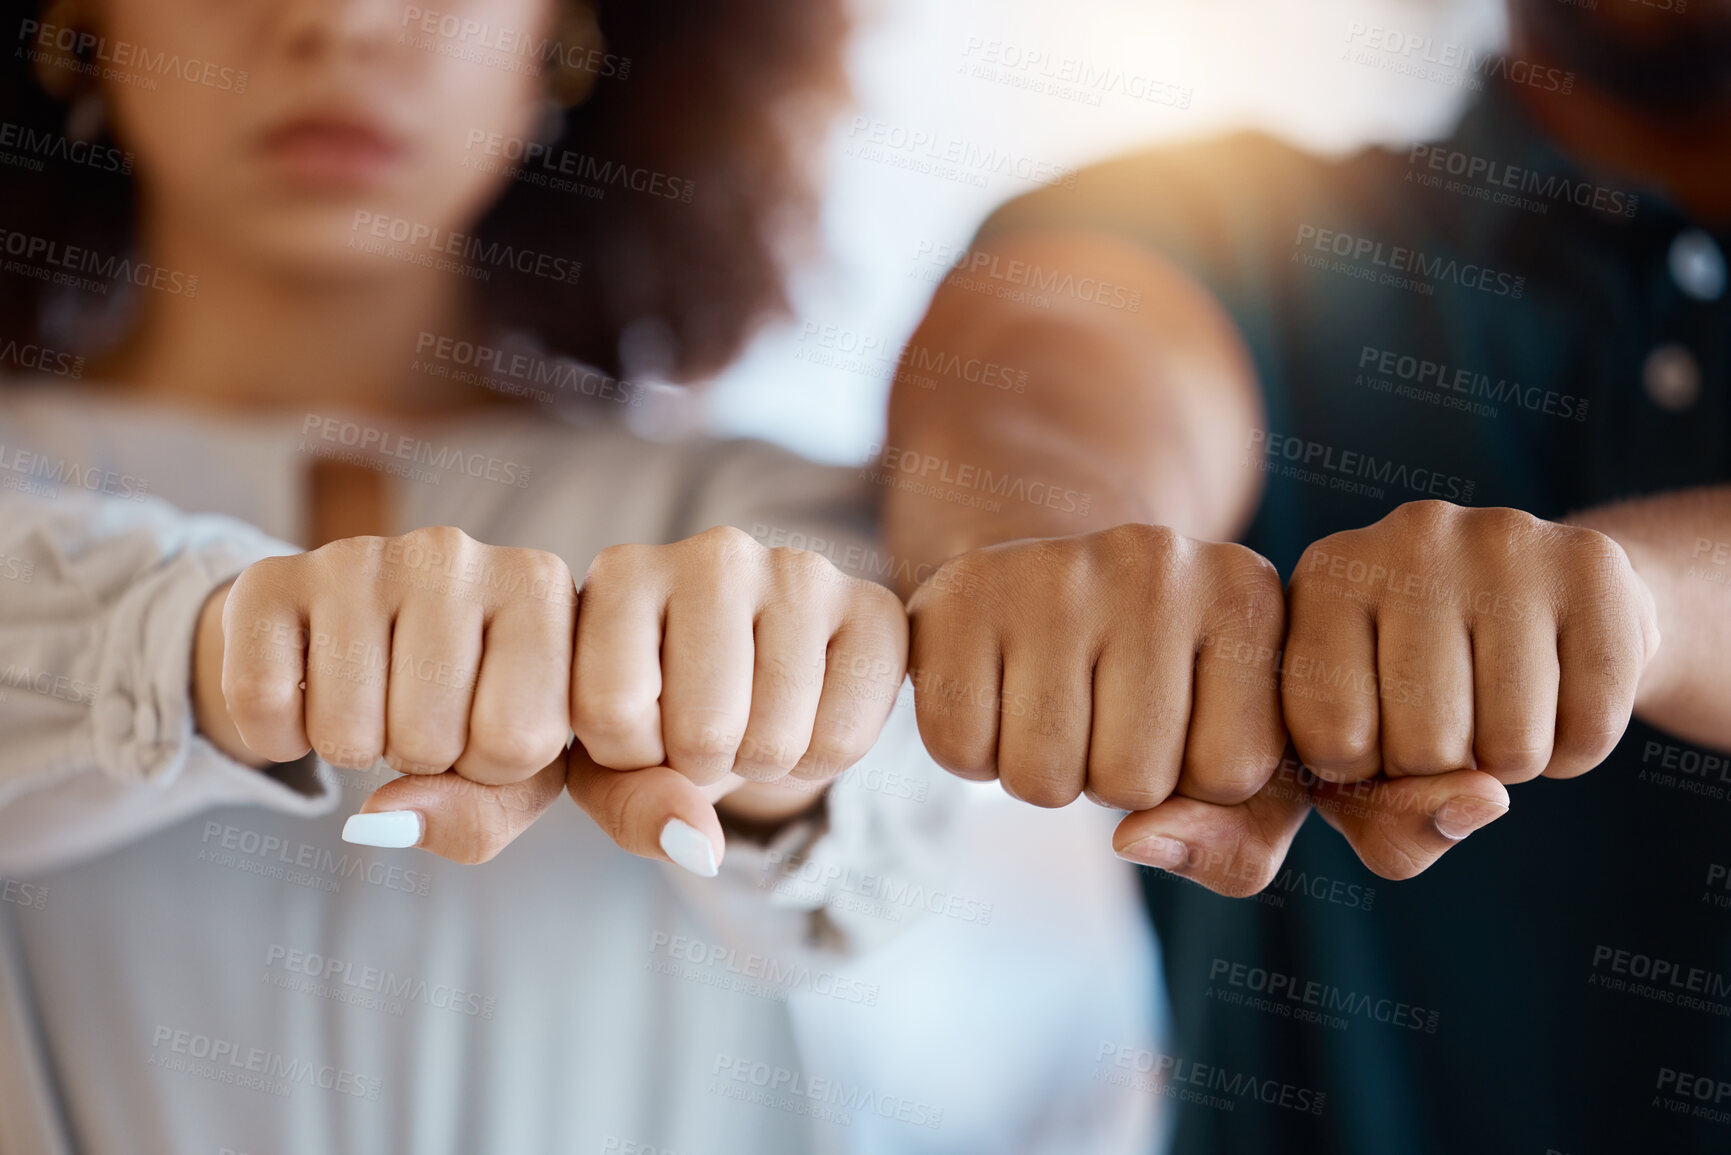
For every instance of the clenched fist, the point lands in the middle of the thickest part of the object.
(1452, 650)
(448, 658)
(1130, 663)
(466, 667)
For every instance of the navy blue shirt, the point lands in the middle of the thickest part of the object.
(1483, 321)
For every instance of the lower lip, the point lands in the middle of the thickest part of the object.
(330, 160)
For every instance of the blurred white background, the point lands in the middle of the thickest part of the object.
(1270, 64)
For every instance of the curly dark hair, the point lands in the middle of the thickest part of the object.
(724, 98)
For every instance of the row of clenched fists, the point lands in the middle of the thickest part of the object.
(1417, 666)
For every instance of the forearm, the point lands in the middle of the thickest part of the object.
(1680, 544)
(1009, 420)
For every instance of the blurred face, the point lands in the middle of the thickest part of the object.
(1660, 56)
(288, 130)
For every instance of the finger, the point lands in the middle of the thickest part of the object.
(1515, 681)
(520, 719)
(1424, 682)
(264, 641)
(790, 650)
(1400, 826)
(435, 648)
(1141, 707)
(1233, 850)
(1328, 680)
(653, 813)
(1237, 734)
(452, 817)
(616, 681)
(862, 676)
(707, 664)
(1043, 727)
(957, 675)
(1601, 650)
(348, 653)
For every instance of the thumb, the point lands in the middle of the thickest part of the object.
(1399, 827)
(1235, 849)
(654, 813)
(452, 816)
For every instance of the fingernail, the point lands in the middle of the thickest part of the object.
(394, 829)
(689, 847)
(1459, 817)
(1157, 850)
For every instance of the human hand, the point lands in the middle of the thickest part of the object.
(460, 664)
(718, 667)
(1444, 652)
(448, 658)
(1130, 664)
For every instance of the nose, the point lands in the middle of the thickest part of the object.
(358, 29)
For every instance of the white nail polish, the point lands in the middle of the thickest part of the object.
(687, 846)
(394, 829)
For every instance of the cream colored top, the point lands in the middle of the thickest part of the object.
(192, 962)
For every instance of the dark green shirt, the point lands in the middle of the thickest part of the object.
(1483, 321)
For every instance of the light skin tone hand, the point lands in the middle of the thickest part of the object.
(708, 668)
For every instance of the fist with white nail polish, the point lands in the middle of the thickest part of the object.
(447, 658)
(718, 667)
(690, 672)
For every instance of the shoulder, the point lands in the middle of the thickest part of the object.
(1221, 207)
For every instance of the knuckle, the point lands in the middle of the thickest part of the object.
(1423, 516)
(1517, 754)
(267, 575)
(441, 537)
(725, 543)
(1245, 591)
(697, 741)
(1588, 741)
(1501, 526)
(785, 678)
(1423, 753)
(351, 751)
(1140, 542)
(770, 749)
(1041, 788)
(544, 568)
(518, 750)
(618, 563)
(345, 730)
(422, 754)
(870, 604)
(1129, 782)
(259, 697)
(1124, 793)
(950, 746)
(1329, 742)
(1321, 555)
(1231, 779)
(609, 719)
(802, 567)
(835, 750)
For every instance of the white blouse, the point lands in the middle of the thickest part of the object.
(192, 962)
